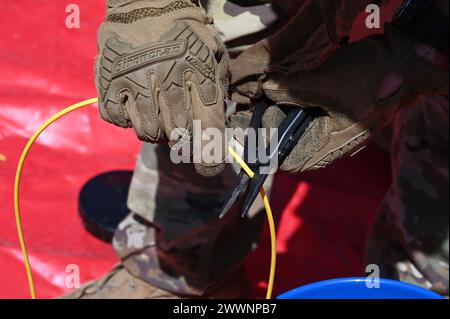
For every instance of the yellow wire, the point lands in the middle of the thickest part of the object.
(273, 237)
(17, 185)
(89, 102)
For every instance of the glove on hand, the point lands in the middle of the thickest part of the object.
(159, 68)
(359, 88)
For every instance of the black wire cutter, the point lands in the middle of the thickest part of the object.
(288, 135)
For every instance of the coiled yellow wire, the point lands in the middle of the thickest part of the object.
(86, 103)
(22, 159)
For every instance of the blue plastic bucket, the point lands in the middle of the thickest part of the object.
(357, 288)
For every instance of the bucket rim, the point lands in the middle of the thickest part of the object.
(332, 285)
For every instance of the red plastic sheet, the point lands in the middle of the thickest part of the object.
(323, 219)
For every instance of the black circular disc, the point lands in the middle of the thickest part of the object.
(103, 203)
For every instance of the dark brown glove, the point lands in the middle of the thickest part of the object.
(358, 87)
(305, 41)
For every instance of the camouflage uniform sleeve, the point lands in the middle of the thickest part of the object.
(305, 41)
(409, 238)
(318, 26)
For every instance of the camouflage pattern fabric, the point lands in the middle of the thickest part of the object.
(173, 238)
(409, 239)
(241, 23)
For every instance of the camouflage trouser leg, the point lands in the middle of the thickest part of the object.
(174, 238)
(409, 240)
(241, 23)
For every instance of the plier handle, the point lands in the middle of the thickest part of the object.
(288, 134)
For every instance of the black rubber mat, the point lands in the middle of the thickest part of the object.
(102, 203)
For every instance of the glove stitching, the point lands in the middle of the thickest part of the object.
(166, 100)
(155, 109)
(155, 102)
(197, 83)
(121, 107)
(169, 106)
(148, 12)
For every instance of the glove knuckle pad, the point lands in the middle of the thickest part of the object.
(133, 82)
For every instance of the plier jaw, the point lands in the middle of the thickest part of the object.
(287, 136)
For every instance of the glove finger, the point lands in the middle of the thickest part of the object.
(125, 97)
(192, 89)
(109, 106)
(329, 137)
(246, 71)
(206, 105)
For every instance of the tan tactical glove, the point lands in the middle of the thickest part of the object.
(358, 88)
(160, 67)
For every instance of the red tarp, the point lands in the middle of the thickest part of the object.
(45, 67)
